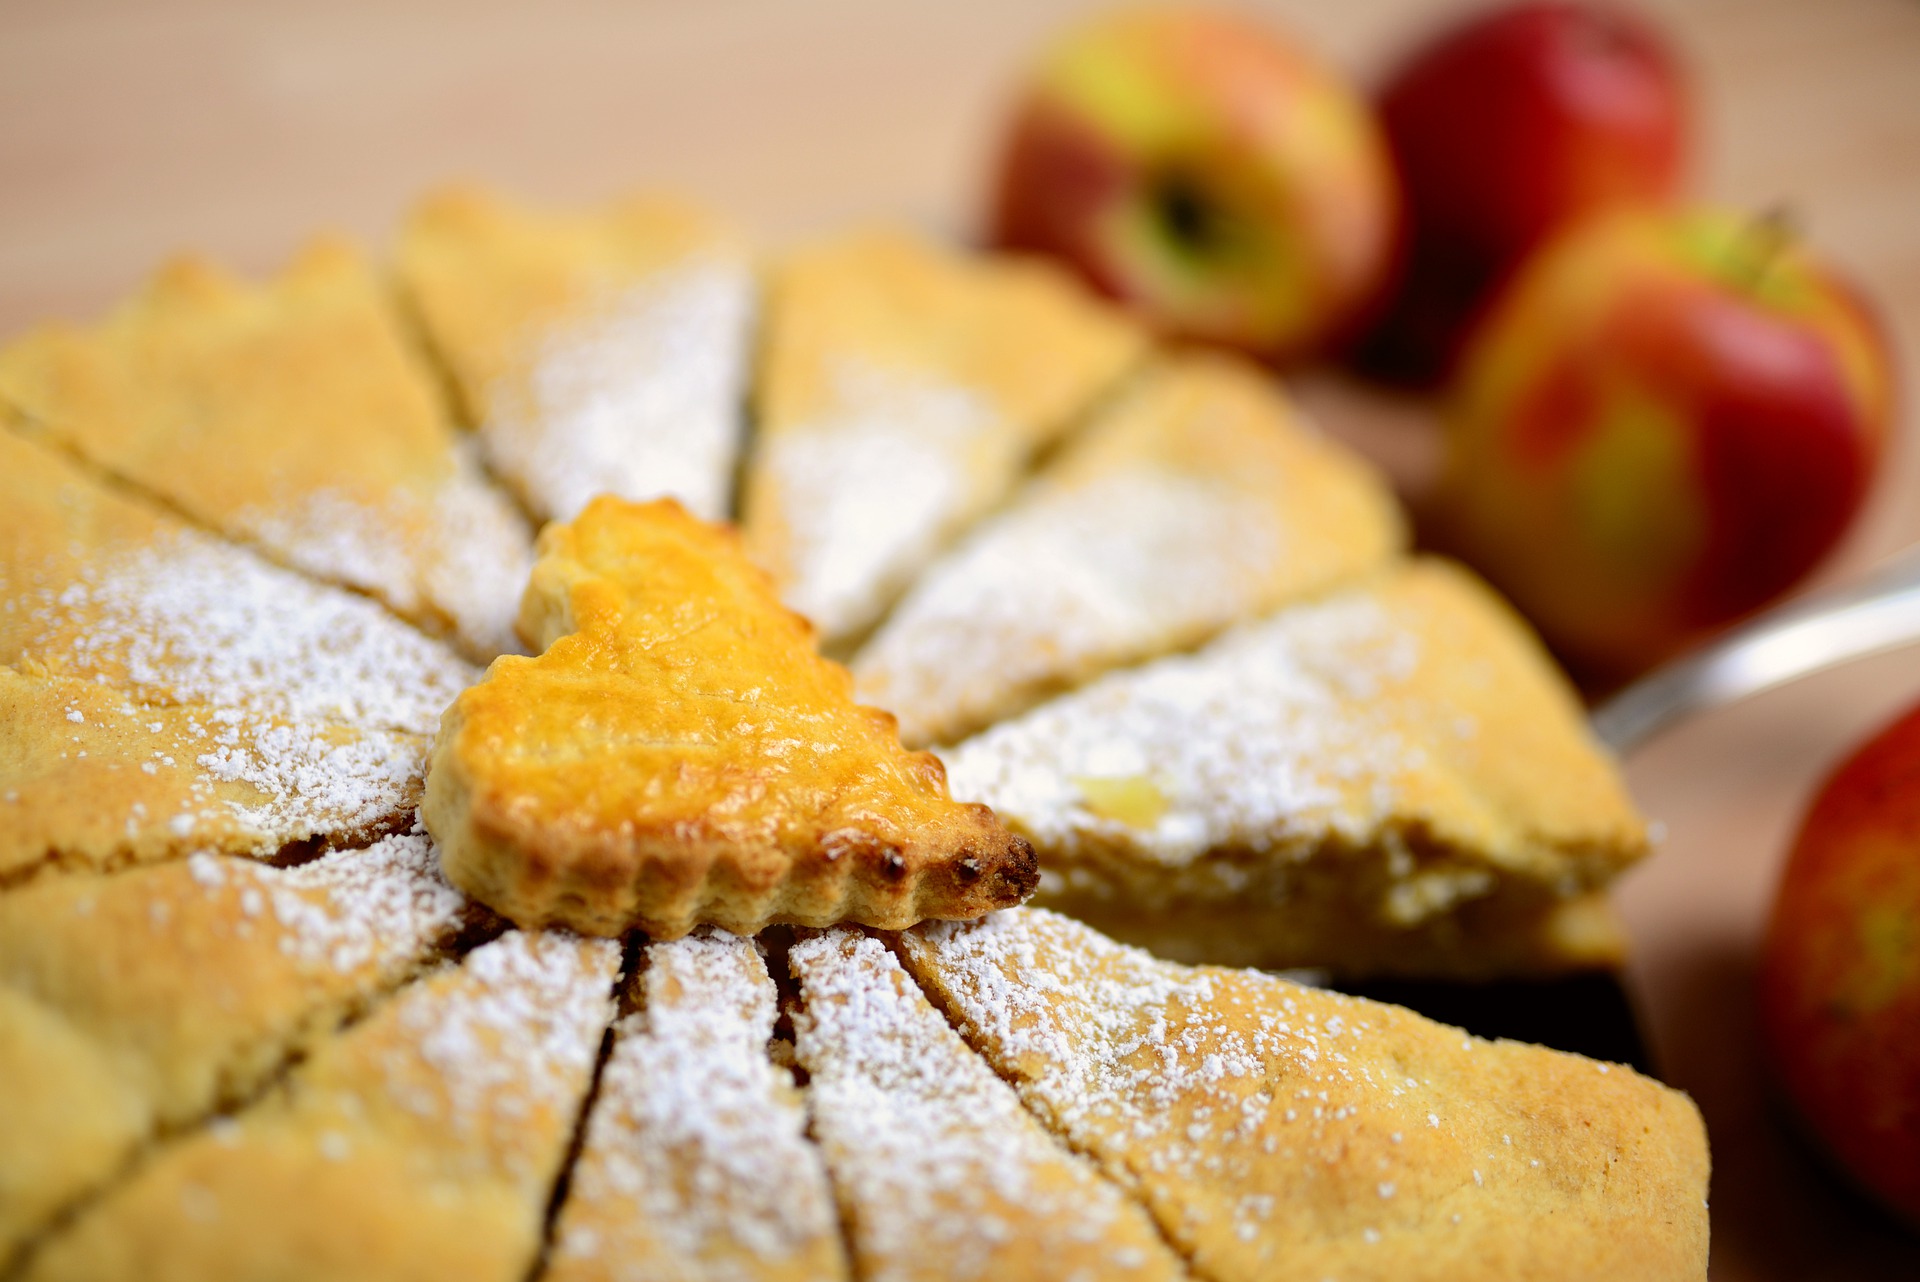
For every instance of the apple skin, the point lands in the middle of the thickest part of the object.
(1196, 166)
(1664, 422)
(1504, 129)
(1839, 984)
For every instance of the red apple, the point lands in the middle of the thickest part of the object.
(1200, 167)
(1840, 971)
(1665, 421)
(1504, 129)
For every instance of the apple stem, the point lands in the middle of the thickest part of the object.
(1770, 231)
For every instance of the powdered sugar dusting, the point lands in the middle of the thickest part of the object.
(696, 1162)
(1070, 582)
(1267, 739)
(872, 490)
(498, 1052)
(933, 1154)
(358, 908)
(637, 395)
(457, 556)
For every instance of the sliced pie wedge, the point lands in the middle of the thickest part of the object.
(696, 1162)
(296, 417)
(1280, 1133)
(1197, 500)
(422, 1142)
(942, 1175)
(902, 390)
(679, 753)
(142, 1001)
(1392, 779)
(602, 352)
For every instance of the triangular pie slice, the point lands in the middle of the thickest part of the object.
(142, 1001)
(602, 352)
(696, 1162)
(295, 416)
(1280, 1133)
(166, 691)
(421, 1143)
(1393, 779)
(902, 389)
(942, 1175)
(679, 753)
(1197, 500)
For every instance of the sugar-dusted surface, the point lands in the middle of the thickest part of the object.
(1279, 1132)
(144, 1000)
(637, 394)
(1410, 721)
(940, 1172)
(696, 1163)
(422, 1142)
(869, 492)
(1195, 500)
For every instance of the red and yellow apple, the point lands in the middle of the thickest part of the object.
(1206, 171)
(1840, 970)
(1504, 129)
(1665, 420)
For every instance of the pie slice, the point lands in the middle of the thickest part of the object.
(679, 753)
(597, 353)
(141, 1002)
(421, 1143)
(1198, 500)
(1282, 1133)
(295, 417)
(1391, 780)
(902, 390)
(696, 1162)
(942, 1174)
(165, 692)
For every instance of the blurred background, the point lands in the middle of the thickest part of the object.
(130, 131)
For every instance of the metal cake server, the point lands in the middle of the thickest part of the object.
(1880, 611)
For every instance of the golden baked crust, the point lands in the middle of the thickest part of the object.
(902, 388)
(140, 1002)
(1392, 779)
(1198, 499)
(595, 352)
(940, 1172)
(293, 416)
(1278, 1132)
(421, 1143)
(162, 691)
(678, 754)
(696, 1161)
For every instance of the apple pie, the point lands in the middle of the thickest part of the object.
(162, 691)
(902, 389)
(1199, 499)
(1280, 1132)
(1390, 779)
(678, 753)
(139, 1002)
(597, 353)
(295, 417)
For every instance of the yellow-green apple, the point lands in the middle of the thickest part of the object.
(1201, 167)
(1504, 128)
(1840, 970)
(1665, 420)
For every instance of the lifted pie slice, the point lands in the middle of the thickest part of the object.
(903, 389)
(294, 416)
(679, 753)
(1391, 779)
(1198, 500)
(1281, 1133)
(596, 353)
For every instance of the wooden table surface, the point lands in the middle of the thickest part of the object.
(127, 132)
